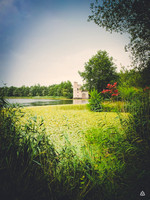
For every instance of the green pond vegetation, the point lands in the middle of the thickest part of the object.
(73, 123)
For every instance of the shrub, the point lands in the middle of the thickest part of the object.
(95, 101)
(116, 106)
(112, 90)
(128, 93)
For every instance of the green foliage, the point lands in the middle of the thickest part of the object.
(127, 16)
(128, 93)
(63, 89)
(108, 155)
(130, 78)
(116, 106)
(138, 78)
(95, 101)
(138, 133)
(145, 76)
(139, 108)
(99, 71)
(26, 155)
(113, 157)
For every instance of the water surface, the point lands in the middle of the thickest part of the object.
(44, 102)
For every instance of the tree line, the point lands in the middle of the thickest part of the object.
(64, 89)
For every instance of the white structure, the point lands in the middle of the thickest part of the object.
(78, 93)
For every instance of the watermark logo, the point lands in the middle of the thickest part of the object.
(142, 193)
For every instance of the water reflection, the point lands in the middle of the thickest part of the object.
(44, 102)
(79, 101)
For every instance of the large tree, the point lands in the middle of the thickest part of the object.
(99, 71)
(130, 78)
(130, 16)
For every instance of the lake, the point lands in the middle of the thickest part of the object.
(44, 102)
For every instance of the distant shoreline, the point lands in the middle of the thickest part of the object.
(43, 97)
(39, 97)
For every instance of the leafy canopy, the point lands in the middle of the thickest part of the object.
(99, 71)
(130, 78)
(130, 16)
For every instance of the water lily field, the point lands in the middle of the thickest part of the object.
(73, 123)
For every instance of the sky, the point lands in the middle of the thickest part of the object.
(48, 41)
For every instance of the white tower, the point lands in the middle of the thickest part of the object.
(78, 93)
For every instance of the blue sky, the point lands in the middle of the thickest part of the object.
(48, 41)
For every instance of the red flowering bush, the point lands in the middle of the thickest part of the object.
(112, 89)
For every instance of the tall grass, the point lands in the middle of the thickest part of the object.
(25, 155)
(138, 134)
